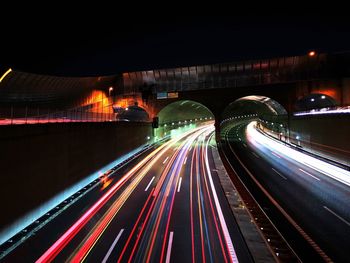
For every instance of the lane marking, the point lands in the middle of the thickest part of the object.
(112, 246)
(305, 172)
(185, 160)
(279, 174)
(149, 184)
(178, 187)
(335, 214)
(255, 155)
(275, 154)
(168, 252)
(165, 160)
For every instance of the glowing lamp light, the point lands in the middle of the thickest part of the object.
(110, 91)
(312, 53)
(5, 74)
(323, 97)
(312, 99)
(126, 108)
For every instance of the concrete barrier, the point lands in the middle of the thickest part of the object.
(39, 161)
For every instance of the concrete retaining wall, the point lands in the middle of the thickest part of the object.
(324, 135)
(39, 161)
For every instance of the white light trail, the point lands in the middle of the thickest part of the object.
(218, 208)
(325, 168)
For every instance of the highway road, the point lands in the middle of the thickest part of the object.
(166, 206)
(312, 196)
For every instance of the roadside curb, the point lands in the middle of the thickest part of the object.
(255, 242)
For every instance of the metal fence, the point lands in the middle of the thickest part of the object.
(100, 111)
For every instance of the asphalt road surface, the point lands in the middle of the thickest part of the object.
(165, 207)
(313, 194)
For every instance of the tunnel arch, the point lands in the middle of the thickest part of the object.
(183, 110)
(253, 104)
(315, 101)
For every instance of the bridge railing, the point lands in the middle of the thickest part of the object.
(237, 74)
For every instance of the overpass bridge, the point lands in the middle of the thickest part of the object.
(285, 80)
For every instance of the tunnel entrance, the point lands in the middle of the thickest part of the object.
(182, 115)
(267, 111)
(253, 105)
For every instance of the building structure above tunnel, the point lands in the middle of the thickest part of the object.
(282, 79)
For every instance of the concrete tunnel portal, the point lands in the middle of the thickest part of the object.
(182, 114)
(253, 105)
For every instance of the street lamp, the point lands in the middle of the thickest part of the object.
(110, 91)
(312, 53)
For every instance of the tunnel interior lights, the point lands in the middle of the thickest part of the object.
(325, 168)
(343, 110)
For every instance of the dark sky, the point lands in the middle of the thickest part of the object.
(102, 40)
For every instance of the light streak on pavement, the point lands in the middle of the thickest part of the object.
(325, 168)
(148, 236)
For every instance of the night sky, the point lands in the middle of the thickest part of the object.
(103, 41)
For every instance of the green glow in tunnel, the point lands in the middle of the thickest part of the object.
(181, 116)
(183, 110)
